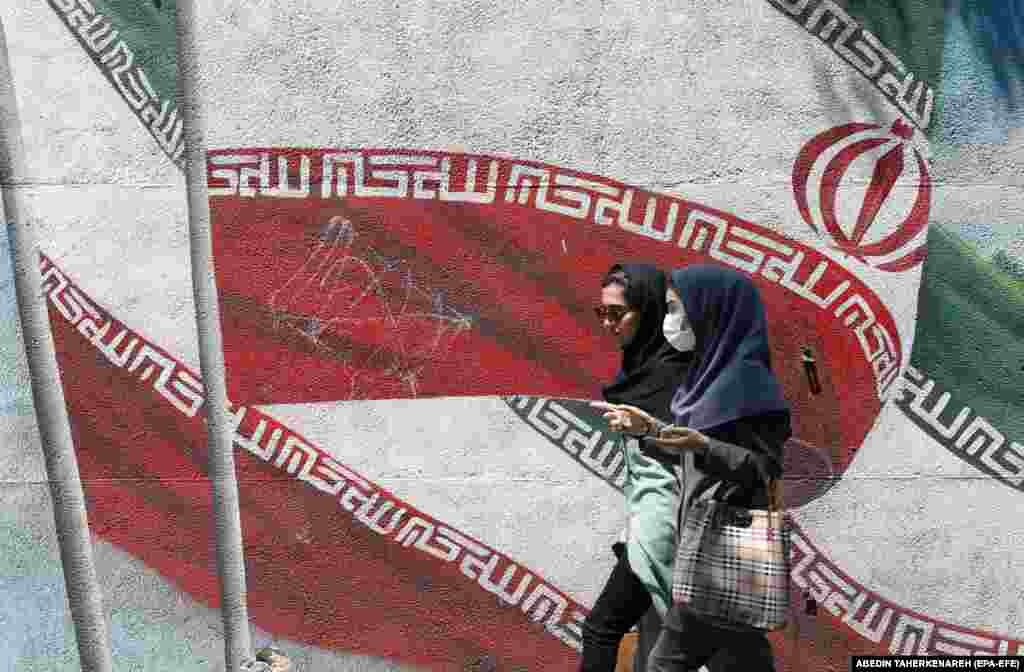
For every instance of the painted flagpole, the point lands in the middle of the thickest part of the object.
(69, 513)
(227, 514)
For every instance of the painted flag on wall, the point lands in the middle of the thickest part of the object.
(407, 205)
(388, 224)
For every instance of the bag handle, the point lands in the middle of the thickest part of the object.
(773, 487)
(775, 502)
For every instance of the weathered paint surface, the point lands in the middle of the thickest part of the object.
(412, 207)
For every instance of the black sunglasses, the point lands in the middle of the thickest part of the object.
(612, 313)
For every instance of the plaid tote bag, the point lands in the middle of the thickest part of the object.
(732, 564)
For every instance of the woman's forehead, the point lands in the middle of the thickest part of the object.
(613, 293)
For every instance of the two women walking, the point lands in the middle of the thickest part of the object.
(633, 308)
(729, 422)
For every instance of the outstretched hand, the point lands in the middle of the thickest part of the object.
(632, 420)
(625, 418)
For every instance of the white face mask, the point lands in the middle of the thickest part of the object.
(677, 329)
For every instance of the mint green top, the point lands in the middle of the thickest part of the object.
(652, 502)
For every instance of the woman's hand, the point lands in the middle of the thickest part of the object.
(627, 419)
(675, 439)
(632, 420)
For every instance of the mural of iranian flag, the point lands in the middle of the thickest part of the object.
(437, 227)
(389, 224)
(413, 203)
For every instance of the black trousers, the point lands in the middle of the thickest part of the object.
(621, 604)
(685, 644)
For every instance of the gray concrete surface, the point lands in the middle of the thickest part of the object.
(710, 102)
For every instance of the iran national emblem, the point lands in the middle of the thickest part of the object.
(868, 188)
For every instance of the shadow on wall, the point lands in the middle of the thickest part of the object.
(905, 27)
(973, 50)
(983, 71)
(995, 29)
(914, 31)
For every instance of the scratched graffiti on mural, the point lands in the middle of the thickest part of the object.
(268, 439)
(242, 177)
(343, 297)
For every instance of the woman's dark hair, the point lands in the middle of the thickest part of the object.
(616, 275)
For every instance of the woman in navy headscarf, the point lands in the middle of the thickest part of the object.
(730, 424)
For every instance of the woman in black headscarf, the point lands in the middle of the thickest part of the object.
(730, 423)
(633, 309)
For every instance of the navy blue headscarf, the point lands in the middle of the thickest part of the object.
(731, 376)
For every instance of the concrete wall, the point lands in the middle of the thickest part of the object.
(412, 204)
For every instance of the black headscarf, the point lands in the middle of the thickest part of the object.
(651, 368)
(731, 377)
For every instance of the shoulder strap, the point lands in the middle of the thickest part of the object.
(775, 502)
